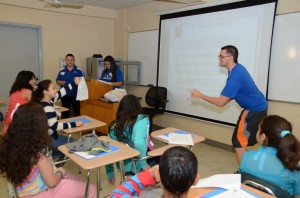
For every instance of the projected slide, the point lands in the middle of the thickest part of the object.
(189, 49)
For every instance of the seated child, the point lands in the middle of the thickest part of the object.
(131, 127)
(277, 160)
(177, 172)
(26, 161)
(47, 94)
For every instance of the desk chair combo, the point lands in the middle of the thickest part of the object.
(156, 98)
(264, 185)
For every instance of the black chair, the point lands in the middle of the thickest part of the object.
(264, 185)
(156, 98)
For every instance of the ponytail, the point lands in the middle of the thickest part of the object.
(289, 152)
(279, 135)
(38, 93)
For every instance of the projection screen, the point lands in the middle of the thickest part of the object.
(189, 45)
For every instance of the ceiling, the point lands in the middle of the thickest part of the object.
(119, 4)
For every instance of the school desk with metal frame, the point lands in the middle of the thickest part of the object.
(124, 152)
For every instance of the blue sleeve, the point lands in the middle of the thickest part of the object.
(140, 138)
(232, 87)
(119, 75)
(59, 76)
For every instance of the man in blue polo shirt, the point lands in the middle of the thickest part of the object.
(66, 75)
(240, 87)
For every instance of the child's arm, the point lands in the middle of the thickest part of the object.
(66, 89)
(47, 172)
(54, 125)
(136, 184)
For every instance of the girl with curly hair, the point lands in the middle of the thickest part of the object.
(26, 160)
(20, 93)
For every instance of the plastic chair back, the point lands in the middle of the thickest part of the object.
(264, 185)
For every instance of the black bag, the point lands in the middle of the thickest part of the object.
(97, 56)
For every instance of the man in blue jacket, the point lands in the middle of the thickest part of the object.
(66, 75)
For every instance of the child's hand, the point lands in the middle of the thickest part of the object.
(77, 80)
(79, 123)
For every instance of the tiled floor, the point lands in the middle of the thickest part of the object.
(211, 161)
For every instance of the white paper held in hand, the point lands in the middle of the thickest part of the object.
(182, 139)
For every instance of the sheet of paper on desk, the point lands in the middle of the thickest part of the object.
(86, 156)
(226, 181)
(182, 139)
(166, 136)
(104, 82)
(233, 193)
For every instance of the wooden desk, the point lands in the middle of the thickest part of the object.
(86, 126)
(154, 134)
(100, 110)
(96, 108)
(2, 101)
(60, 109)
(125, 152)
(160, 151)
(196, 192)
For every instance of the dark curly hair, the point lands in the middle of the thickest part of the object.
(288, 147)
(26, 138)
(127, 113)
(22, 81)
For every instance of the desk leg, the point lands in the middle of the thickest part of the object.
(121, 164)
(69, 137)
(87, 185)
(99, 188)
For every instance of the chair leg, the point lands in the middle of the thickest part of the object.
(151, 123)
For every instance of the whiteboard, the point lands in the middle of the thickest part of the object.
(284, 73)
(143, 46)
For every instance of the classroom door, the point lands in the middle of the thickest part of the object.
(19, 50)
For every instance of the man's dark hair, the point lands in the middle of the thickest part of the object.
(233, 51)
(178, 168)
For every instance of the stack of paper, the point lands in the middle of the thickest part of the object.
(178, 137)
(183, 139)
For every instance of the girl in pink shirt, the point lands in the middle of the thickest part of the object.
(20, 93)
